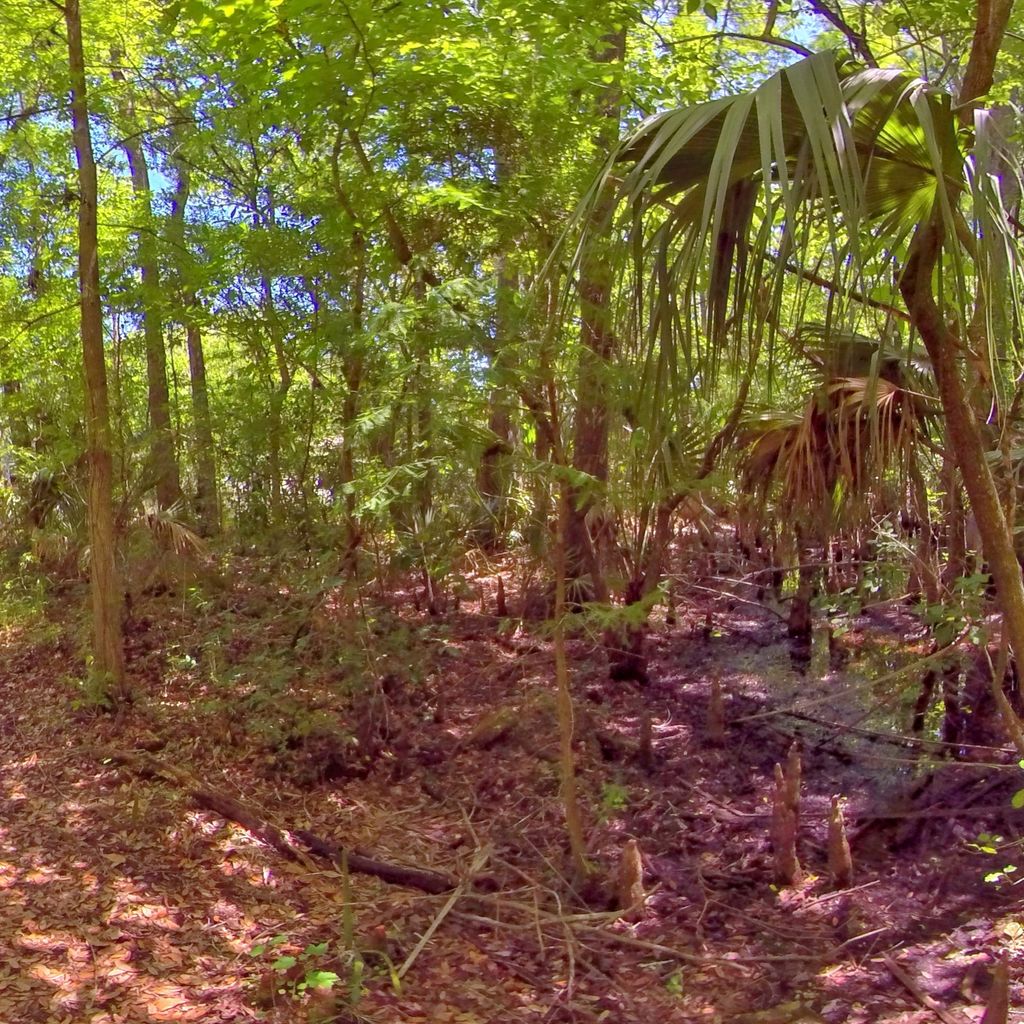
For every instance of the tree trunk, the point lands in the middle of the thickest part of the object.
(493, 476)
(597, 346)
(352, 366)
(207, 500)
(419, 434)
(964, 430)
(207, 496)
(162, 452)
(965, 436)
(108, 646)
(925, 567)
(569, 789)
(494, 473)
(278, 397)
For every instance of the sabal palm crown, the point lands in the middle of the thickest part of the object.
(796, 201)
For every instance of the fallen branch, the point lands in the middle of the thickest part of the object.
(594, 924)
(203, 796)
(435, 882)
(478, 863)
(919, 994)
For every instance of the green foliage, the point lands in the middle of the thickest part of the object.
(963, 612)
(599, 619)
(674, 984)
(993, 845)
(1017, 802)
(370, 221)
(23, 600)
(91, 693)
(614, 800)
(300, 973)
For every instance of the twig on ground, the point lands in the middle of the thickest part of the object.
(618, 938)
(918, 993)
(478, 862)
(838, 892)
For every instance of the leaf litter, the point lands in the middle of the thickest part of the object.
(123, 902)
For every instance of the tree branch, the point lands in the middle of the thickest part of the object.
(857, 40)
(989, 29)
(770, 40)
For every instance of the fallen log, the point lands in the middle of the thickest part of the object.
(282, 841)
(396, 874)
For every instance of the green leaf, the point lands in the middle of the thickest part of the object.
(321, 979)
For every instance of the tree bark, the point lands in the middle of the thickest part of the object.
(229, 807)
(108, 645)
(207, 499)
(990, 21)
(494, 473)
(352, 365)
(597, 346)
(963, 428)
(162, 450)
(965, 435)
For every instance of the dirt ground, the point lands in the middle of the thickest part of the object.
(433, 742)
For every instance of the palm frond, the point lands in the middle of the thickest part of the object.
(170, 534)
(835, 165)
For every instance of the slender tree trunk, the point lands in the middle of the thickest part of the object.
(494, 474)
(419, 423)
(108, 646)
(964, 431)
(533, 398)
(207, 498)
(597, 346)
(925, 568)
(965, 435)
(574, 826)
(352, 364)
(422, 435)
(162, 450)
(549, 425)
(278, 397)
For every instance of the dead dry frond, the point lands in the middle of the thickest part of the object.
(170, 534)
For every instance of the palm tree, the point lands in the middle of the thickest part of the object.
(837, 462)
(860, 423)
(814, 193)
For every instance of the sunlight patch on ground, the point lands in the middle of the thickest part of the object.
(51, 975)
(202, 823)
(156, 914)
(114, 965)
(42, 875)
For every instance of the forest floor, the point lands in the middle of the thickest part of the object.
(433, 742)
